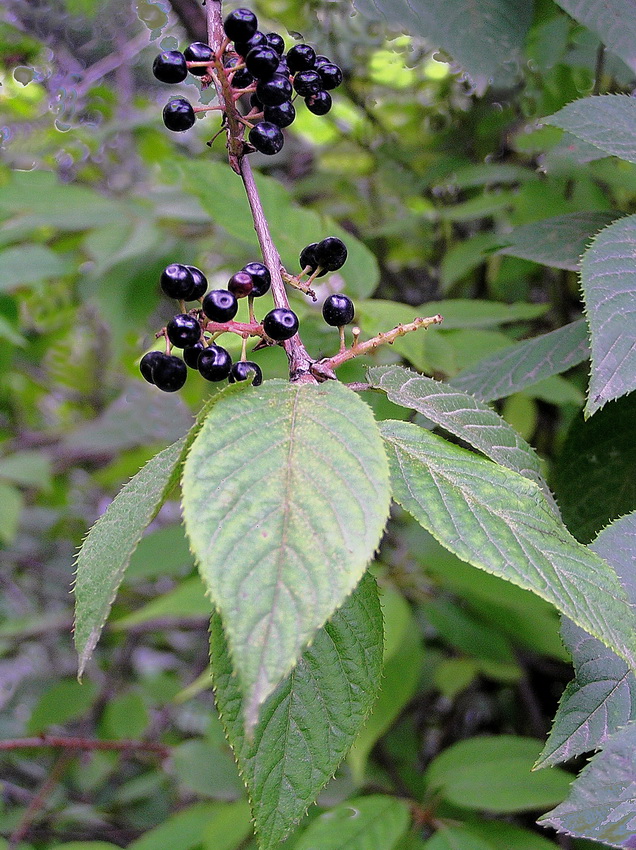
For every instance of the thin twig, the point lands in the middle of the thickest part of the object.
(57, 741)
(39, 801)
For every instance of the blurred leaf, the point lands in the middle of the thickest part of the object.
(483, 206)
(207, 769)
(164, 552)
(187, 599)
(456, 838)
(454, 675)
(187, 829)
(126, 716)
(229, 828)
(375, 822)
(457, 313)
(615, 24)
(28, 264)
(606, 121)
(11, 504)
(465, 256)
(27, 469)
(464, 632)
(491, 835)
(64, 701)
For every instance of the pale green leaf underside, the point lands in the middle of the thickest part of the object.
(376, 822)
(614, 23)
(602, 696)
(602, 803)
(309, 722)
(526, 363)
(497, 520)
(606, 121)
(285, 496)
(608, 276)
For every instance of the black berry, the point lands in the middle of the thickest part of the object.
(307, 83)
(200, 283)
(267, 138)
(322, 60)
(257, 40)
(262, 62)
(331, 76)
(177, 281)
(191, 354)
(274, 91)
(169, 373)
(301, 57)
(308, 259)
(338, 310)
(280, 324)
(242, 79)
(241, 284)
(219, 305)
(183, 331)
(331, 253)
(255, 102)
(199, 52)
(276, 42)
(214, 363)
(283, 114)
(240, 25)
(319, 103)
(178, 115)
(261, 278)
(147, 363)
(242, 369)
(170, 67)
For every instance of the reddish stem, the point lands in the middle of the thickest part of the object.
(84, 744)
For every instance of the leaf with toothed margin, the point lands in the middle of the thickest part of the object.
(614, 23)
(285, 497)
(607, 121)
(499, 521)
(310, 721)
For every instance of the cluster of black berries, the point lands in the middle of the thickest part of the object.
(257, 65)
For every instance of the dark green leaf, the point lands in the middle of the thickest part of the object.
(365, 823)
(607, 121)
(64, 701)
(614, 23)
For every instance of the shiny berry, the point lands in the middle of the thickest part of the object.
(257, 40)
(183, 331)
(170, 67)
(307, 83)
(200, 283)
(199, 52)
(178, 115)
(177, 281)
(331, 76)
(169, 373)
(283, 114)
(214, 363)
(147, 363)
(241, 284)
(274, 91)
(319, 103)
(240, 25)
(255, 103)
(280, 324)
(191, 354)
(261, 278)
(276, 42)
(301, 57)
(283, 68)
(331, 253)
(322, 60)
(219, 305)
(241, 370)
(262, 62)
(308, 259)
(338, 310)
(267, 138)
(242, 79)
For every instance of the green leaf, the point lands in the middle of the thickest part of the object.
(186, 829)
(82, 845)
(606, 121)
(291, 225)
(126, 716)
(525, 363)
(456, 838)
(608, 277)
(486, 39)
(558, 242)
(457, 313)
(27, 469)
(614, 23)
(64, 701)
(499, 521)
(375, 822)
(602, 696)
(465, 256)
(11, 505)
(489, 835)
(285, 497)
(24, 265)
(602, 802)
(495, 774)
(308, 723)
(188, 599)
(207, 769)
(164, 552)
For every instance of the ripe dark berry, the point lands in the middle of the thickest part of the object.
(200, 283)
(170, 67)
(274, 91)
(267, 138)
(191, 354)
(242, 369)
(257, 40)
(307, 83)
(276, 42)
(308, 259)
(319, 103)
(301, 57)
(241, 284)
(147, 363)
(177, 281)
(178, 115)
(169, 373)
(283, 68)
(240, 25)
(282, 115)
(198, 52)
(262, 62)
(338, 310)
(183, 331)
(261, 278)
(331, 76)
(331, 253)
(322, 60)
(255, 102)
(280, 324)
(219, 305)
(214, 363)
(242, 79)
